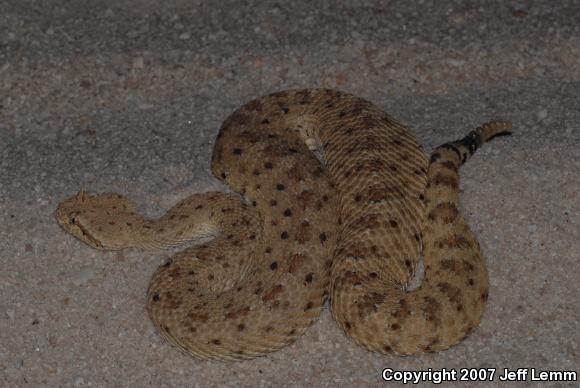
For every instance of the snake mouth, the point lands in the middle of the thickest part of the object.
(84, 234)
(69, 221)
(72, 225)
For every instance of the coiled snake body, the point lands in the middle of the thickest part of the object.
(334, 198)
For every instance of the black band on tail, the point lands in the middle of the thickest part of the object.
(451, 147)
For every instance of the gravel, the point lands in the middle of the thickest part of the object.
(128, 96)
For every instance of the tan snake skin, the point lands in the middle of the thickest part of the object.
(335, 198)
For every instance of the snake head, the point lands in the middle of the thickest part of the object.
(101, 221)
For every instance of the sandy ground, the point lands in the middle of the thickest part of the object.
(128, 97)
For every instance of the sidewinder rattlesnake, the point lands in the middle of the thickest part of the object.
(334, 199)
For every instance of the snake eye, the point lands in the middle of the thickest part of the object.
(73, 220)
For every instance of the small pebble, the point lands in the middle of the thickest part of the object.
(133, 34)
(542, 114)
(456, 62)
(82, 276)
(138, 63)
